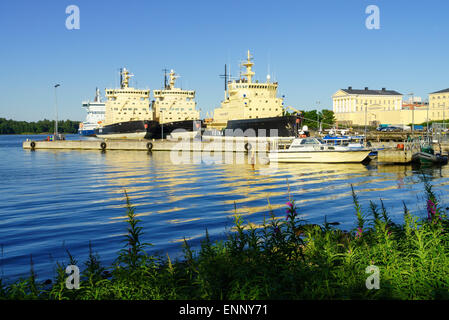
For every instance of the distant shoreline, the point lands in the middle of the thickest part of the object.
(31, 134)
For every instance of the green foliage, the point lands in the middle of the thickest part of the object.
(313, 117)
(284, 258)
(42, 126)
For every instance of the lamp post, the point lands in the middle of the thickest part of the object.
(162, 125)
(56, 109)
(444, 116)
(366, 114)
(318, 116)
(413, 113)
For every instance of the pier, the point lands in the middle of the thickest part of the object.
(219, 144)
(390, 155)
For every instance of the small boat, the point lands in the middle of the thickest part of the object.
(427, 155)
(315, 150)
(352, 142)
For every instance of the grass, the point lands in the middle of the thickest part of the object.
(285, 258)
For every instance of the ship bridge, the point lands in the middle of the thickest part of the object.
(248, 99)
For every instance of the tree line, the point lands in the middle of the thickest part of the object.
(41, 126)
(312, 118)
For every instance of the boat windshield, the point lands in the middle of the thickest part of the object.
(312, 141)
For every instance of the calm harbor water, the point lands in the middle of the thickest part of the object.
(58, 200)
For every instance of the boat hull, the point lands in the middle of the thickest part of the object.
(87, 133)
(350, 156)
(427, 158)
(286, 126)
(140, 129)
(183, 126)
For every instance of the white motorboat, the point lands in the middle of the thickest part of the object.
(316, 150)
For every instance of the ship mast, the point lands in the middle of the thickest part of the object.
(124, 78)
(173, 77)
(225, 76)
(165, 78)
(249, 64)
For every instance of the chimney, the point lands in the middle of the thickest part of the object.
(366, 88)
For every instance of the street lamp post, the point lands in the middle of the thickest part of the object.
(56, 111)
(366, 114)
(162, 126)
(413, 112)
(444, 116)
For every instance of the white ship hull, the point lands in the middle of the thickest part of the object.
(319, 156)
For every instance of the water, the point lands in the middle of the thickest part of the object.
(58, 200)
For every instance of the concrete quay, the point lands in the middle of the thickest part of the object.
(230, 144)
(390, 155)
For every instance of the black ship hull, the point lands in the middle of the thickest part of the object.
(286, 126)
(181, 126)
(140, 129)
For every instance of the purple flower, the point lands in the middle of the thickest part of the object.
(359, 232)
(431, 209)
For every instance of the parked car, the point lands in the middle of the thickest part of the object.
(391, 129)
(382, 126)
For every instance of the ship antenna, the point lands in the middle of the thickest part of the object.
(165, 77)
(121, 76)
(225, 76)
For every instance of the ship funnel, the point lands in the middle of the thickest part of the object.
(97, 95)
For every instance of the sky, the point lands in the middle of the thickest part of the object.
(312, 48)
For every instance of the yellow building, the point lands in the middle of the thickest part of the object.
(439, 104)
(126, 103)
(174, 104)
(248, 99)
(373, 107)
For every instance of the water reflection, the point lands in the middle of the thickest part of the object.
(77, 196)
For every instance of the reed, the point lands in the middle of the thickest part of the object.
(285, 258)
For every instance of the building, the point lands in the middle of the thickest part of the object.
(174, 104)
(438, 103)
(126, 103)
(373, 107)
(248, 99)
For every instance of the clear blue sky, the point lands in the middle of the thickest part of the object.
(313, 49)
